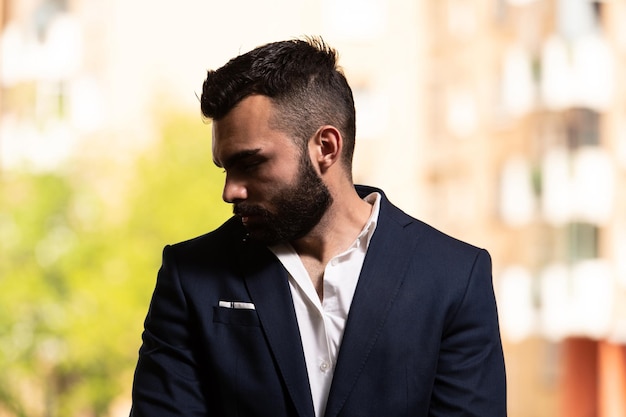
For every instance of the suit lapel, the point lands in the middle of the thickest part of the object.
(268, 286)
(381, 277)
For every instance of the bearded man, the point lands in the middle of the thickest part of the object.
(318, 297)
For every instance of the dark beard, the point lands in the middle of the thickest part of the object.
(298, 208)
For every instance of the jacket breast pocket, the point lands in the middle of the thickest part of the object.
(235, 316)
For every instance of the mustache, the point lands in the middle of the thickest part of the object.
(244, 210)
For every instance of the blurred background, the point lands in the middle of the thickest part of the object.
(501, 122)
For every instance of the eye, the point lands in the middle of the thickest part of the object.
(252, 165)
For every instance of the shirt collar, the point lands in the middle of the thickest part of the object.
(370, 226)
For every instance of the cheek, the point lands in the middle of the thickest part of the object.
(278, 176)
(272, 178)
(261, 187)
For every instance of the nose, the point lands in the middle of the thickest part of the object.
(234, 190)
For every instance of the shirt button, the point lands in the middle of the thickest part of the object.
(324, 366)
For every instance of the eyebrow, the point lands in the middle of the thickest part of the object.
(237, 157)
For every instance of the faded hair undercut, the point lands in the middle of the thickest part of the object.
(303, 80)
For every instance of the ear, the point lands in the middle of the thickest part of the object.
(326, 147)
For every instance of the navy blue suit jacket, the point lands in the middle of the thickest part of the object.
(421, 339)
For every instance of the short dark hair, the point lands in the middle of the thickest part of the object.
(302, 79)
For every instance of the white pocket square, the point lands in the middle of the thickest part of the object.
(237, 305)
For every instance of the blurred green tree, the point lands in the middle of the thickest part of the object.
(78, 263)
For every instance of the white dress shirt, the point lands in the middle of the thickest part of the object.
(322, 322)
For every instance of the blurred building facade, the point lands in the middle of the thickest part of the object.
(526, 154)
(502, 122)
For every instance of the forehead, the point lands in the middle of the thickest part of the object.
(247, 127)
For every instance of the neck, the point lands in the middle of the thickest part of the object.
(337, 229)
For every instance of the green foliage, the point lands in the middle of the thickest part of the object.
(77, 269)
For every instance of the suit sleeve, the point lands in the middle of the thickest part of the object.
(470, 378)
(166, 380)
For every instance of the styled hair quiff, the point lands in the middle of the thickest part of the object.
(303, 81)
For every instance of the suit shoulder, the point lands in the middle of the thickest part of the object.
(437, 237)
(436, 245)
(421, 230)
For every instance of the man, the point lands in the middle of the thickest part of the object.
(318, 298)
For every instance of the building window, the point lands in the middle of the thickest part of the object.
(577, 18)
(582, 241)
(582, 128)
